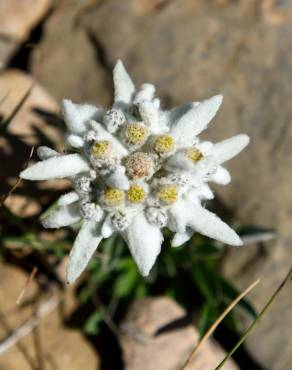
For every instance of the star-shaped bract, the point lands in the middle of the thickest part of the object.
(135, 169)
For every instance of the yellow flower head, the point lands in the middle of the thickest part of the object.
(163, 144)
(194, 154)
(113, 197)
(168, 194)
(136, 133)
(136, 194)
(101, 149)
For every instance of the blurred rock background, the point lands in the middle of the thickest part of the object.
(190, 50)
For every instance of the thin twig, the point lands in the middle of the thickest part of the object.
(216, 323)
(28, 281)
(24, 329)
(252, 325)
(5, 196)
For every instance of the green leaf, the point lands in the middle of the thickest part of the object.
(125, 283)
(141, 290)
(204, 282)
(169, 265)
(91, 326)
(206, 318)
(84, 295)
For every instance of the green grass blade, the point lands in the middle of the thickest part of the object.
(250, 328)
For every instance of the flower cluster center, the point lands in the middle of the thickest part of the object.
(113, 196)
(168, 194)
(194, 154)
(136, 194)
(163, 144)
(136, 133)
(101, 149)
(138, 165)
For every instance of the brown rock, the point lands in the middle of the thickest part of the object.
(166, 351)
(27, 128)
(17, 19)
(61, 348)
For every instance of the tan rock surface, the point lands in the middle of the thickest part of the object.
(17, 19)
(28, 128)
(58, 346)
(71, 67)
(168, 350)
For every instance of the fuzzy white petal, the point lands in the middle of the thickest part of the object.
(174, 114)
(144, 241)
(84, 246)
(123, 84)
(63, 216)
(44, 152)
(76, 115)
(229, 148)
(56, 168)
(179, 161)
(146, 92)
(150, 116)
(202, 192)
(181, 238)
(206, 192)
(107, 229)
(103, 134)
(208, 224)
(118, 179)
(75, 141)
(178, 216)
(156, 103)
(221, 176)
(68, 198)
(194, 121)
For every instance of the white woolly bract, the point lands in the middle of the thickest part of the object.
(144, 241)
(68, 198)
(181, 238)
(135, 169)
(76, 115)
(56, 168)
(45, 152)
(196, 120)
(75, 141)
(123, 85)
(84, 246)
(64, 216)
(227, 149)
(118, 179)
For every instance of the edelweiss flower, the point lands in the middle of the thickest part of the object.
(136, 169)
